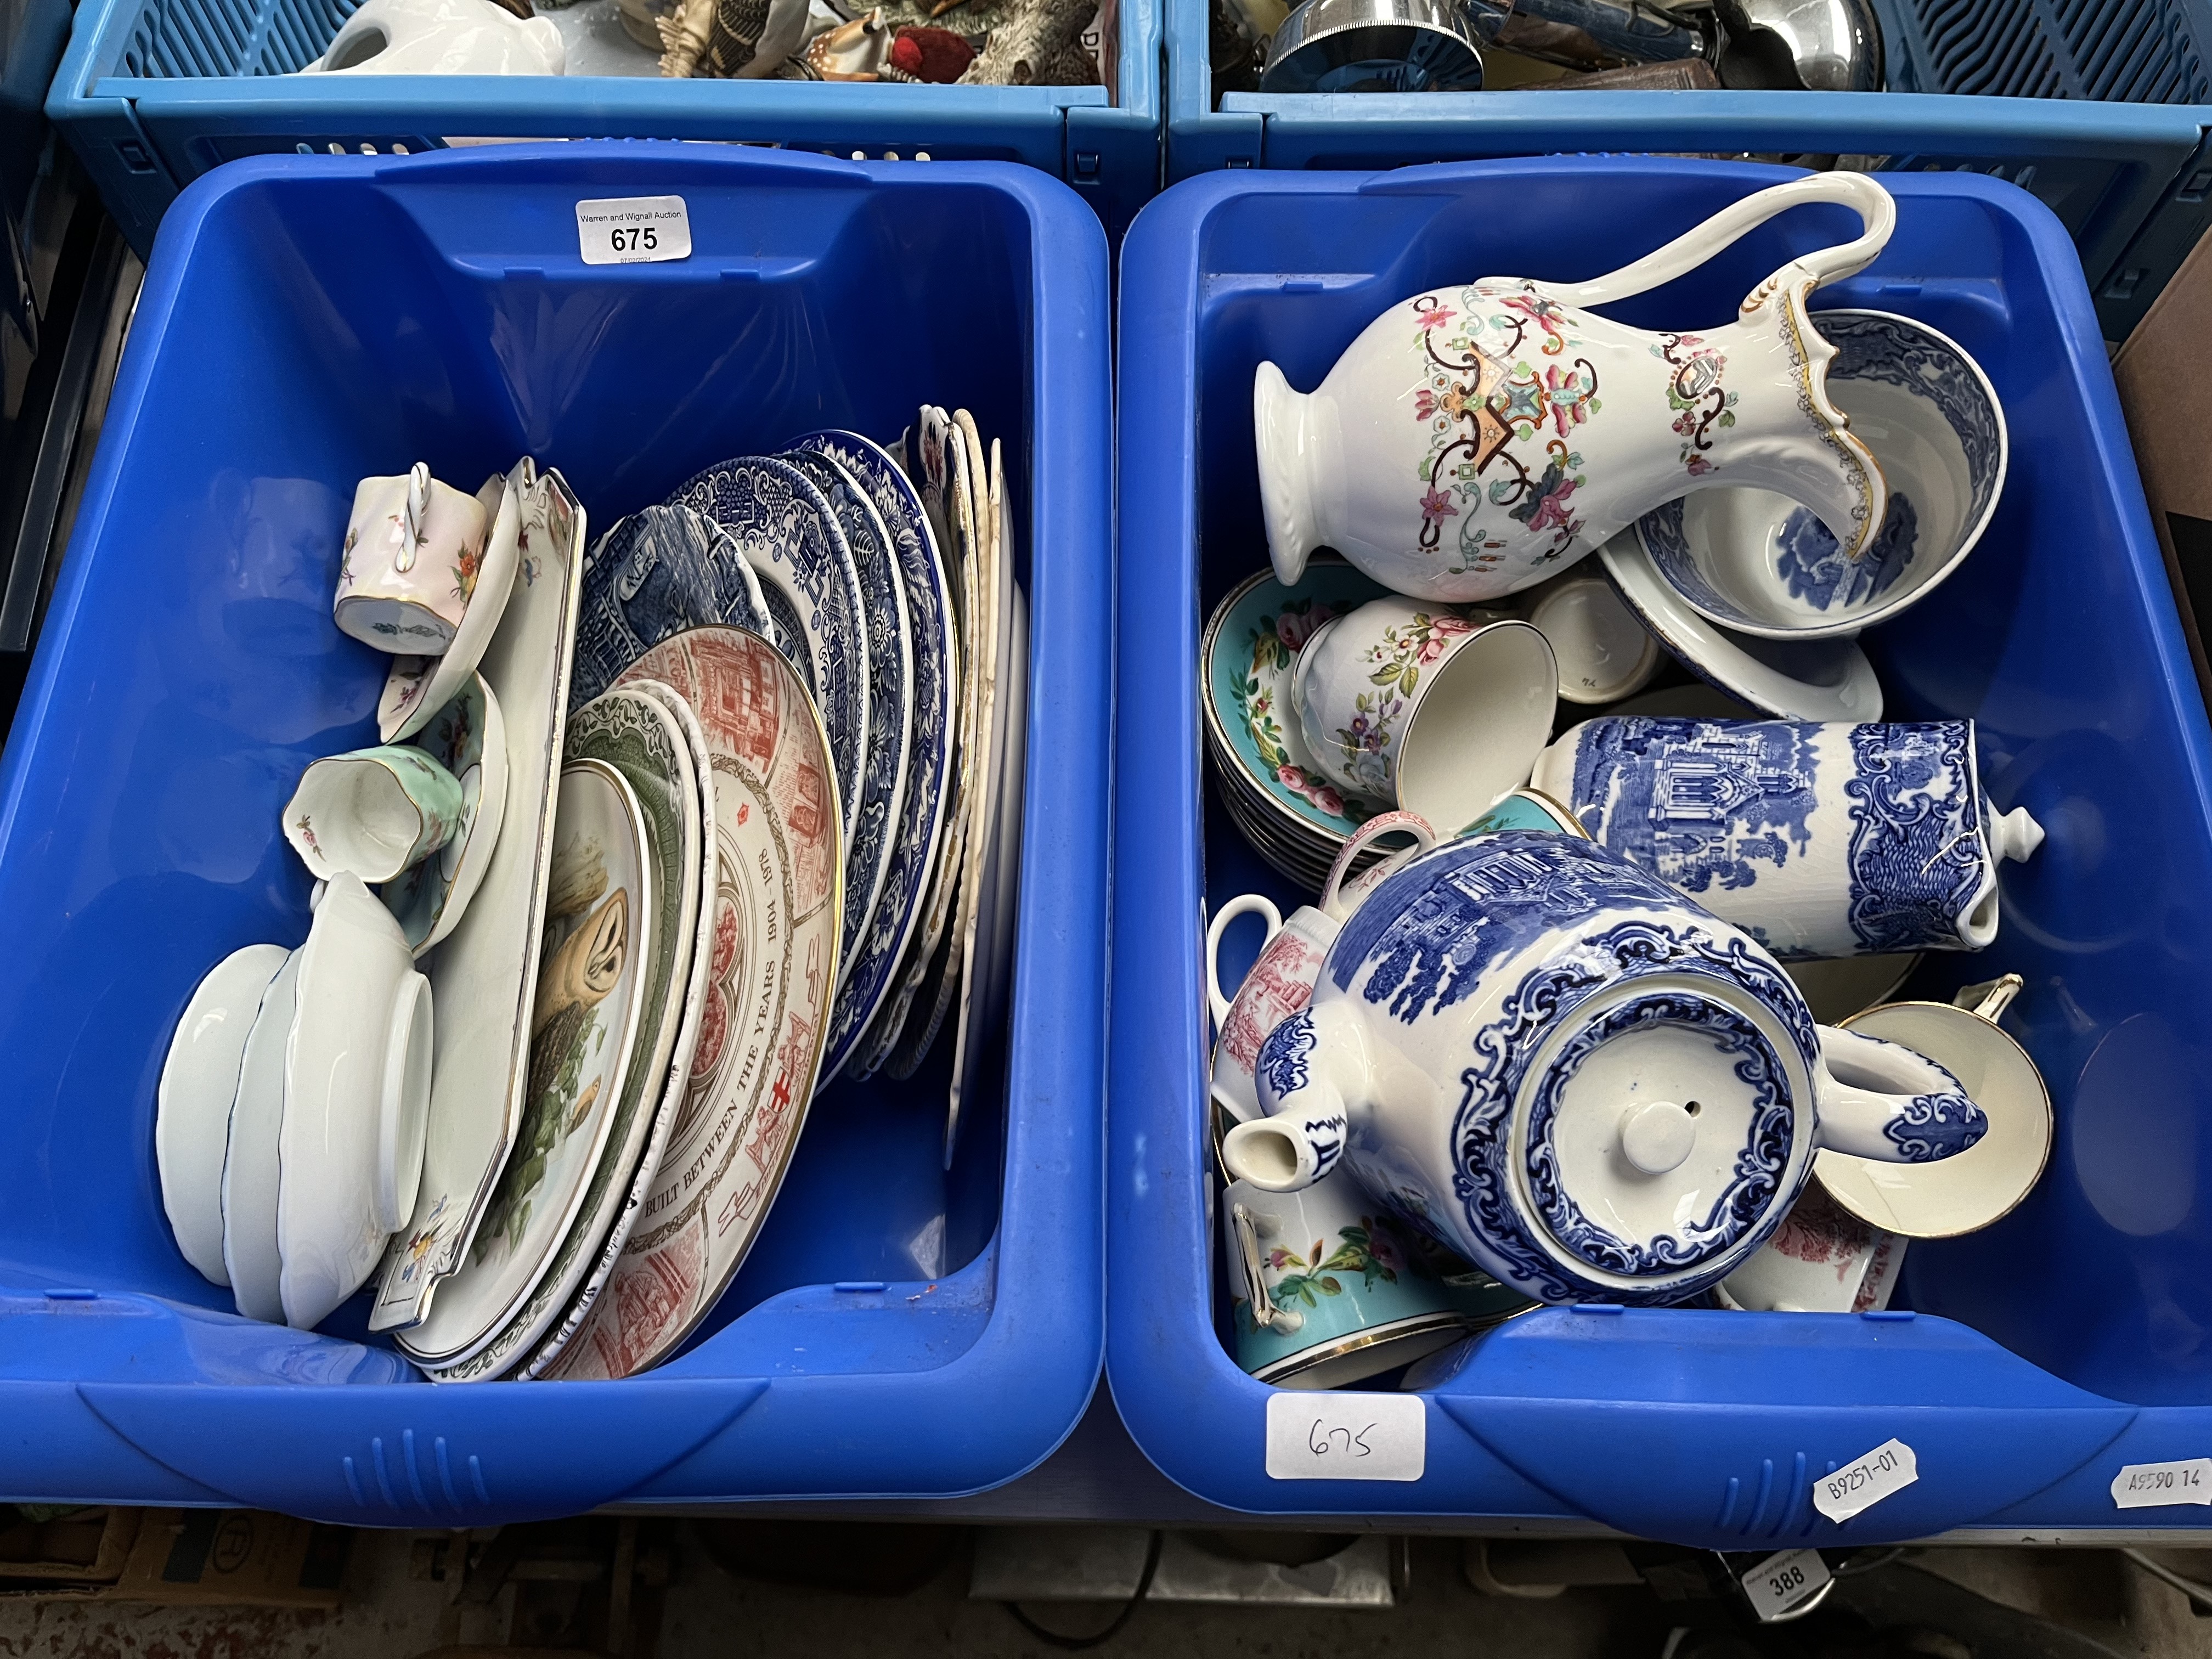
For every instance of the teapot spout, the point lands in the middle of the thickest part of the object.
(1913, 1112)
(1308, 1066)
(1283, 428)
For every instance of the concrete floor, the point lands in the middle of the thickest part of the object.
(831, 1591)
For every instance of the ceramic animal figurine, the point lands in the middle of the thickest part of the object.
(1817, 839)
(857, 50)
(1569, 1073)
(442, 37)
(1476, 440)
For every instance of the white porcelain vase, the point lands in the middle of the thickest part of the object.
(1561, 1068)
(1476, 440)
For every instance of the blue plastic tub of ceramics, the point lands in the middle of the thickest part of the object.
(154, 93)
(899, 1329)
(2103, 108)
(2026, 1366)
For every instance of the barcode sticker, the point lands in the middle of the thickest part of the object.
(2153, 1485)
(1865, 1481)
(634, 230)
(1347, 1437)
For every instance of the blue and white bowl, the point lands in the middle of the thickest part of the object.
(1756, 562)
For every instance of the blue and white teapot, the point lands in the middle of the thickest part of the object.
(1562, 1068)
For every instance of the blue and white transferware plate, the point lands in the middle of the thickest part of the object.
(891, 689)
(875, 957)
(784, 527)
(654, 574)
(1756, 562)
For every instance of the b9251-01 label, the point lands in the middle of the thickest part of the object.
(1865, 1481)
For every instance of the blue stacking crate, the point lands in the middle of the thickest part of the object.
(900, 1329)
(154, 93)
(2100, 107)
(2027, 1364)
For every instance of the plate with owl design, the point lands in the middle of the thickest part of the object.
(600, 917)
(771, 977)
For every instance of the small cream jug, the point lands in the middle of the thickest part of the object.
(1475, 440)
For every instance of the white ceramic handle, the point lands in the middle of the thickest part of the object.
(1244, 904)
(1929, 1116)
(1336, 902)
(1877, 213)
(404, 1105)
(1265, 1314)
(417, 508)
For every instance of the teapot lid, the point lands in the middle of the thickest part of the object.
(1660, 1130)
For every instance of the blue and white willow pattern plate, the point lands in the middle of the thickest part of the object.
(875, 957)
(656, 573)
(890, 677)
(784, 528)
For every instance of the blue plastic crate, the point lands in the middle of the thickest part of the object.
(2045, 1353)
(2131, 182)
(154, 93)
(899, 1329)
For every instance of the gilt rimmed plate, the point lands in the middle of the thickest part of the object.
(784, 527)
(637, 735)
(631, 1176)
(890, 693)
(876, 956)
(468, 739)
(658, 572)
(779, 865)
(485, 974)
(600, 949)
(416, 688)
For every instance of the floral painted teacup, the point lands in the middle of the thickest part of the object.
(413, 549)
(373, 812)
(1432, 708)
(1324, 1289)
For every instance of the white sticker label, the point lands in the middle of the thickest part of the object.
(1783, 1580)
(634, 230)
(1859, 1485)
(1347, 1437)
(2152, 1486)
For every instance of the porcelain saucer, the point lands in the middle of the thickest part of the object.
(468, 737)
(779, 865)
(874, 957)
(198, 1087)
(1803, 679)
(890, 693)
(250, 1167)
(784, 529)
(417, 687)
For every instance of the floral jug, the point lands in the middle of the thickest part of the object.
(1475, 440)
(1558, 1066)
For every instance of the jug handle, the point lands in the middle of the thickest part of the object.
(1341, 897)
(1244, 904)
(1877, 213)
(1931, 1118)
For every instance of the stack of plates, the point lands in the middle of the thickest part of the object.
(1296, 819)
(785, 848)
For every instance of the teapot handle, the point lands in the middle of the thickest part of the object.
(1244, 904)
(1877, 212)
(1883, 1101)
(1342, 893)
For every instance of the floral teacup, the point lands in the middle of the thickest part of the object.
(413, 549)
(1324, 1289)
(1437, 709)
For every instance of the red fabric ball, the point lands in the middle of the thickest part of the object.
(930, 54)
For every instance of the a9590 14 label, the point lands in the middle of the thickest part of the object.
(2153, 1486)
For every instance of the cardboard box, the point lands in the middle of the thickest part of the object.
(199, 1557)
(79, 1545)
(2167, 396)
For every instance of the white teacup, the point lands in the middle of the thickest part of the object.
(1282, 977)
(1821, 1260)
(413, 549)
(373, 812)
(1436, 710)
(1604, 650)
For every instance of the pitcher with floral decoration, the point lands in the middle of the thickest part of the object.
(1475, 440)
